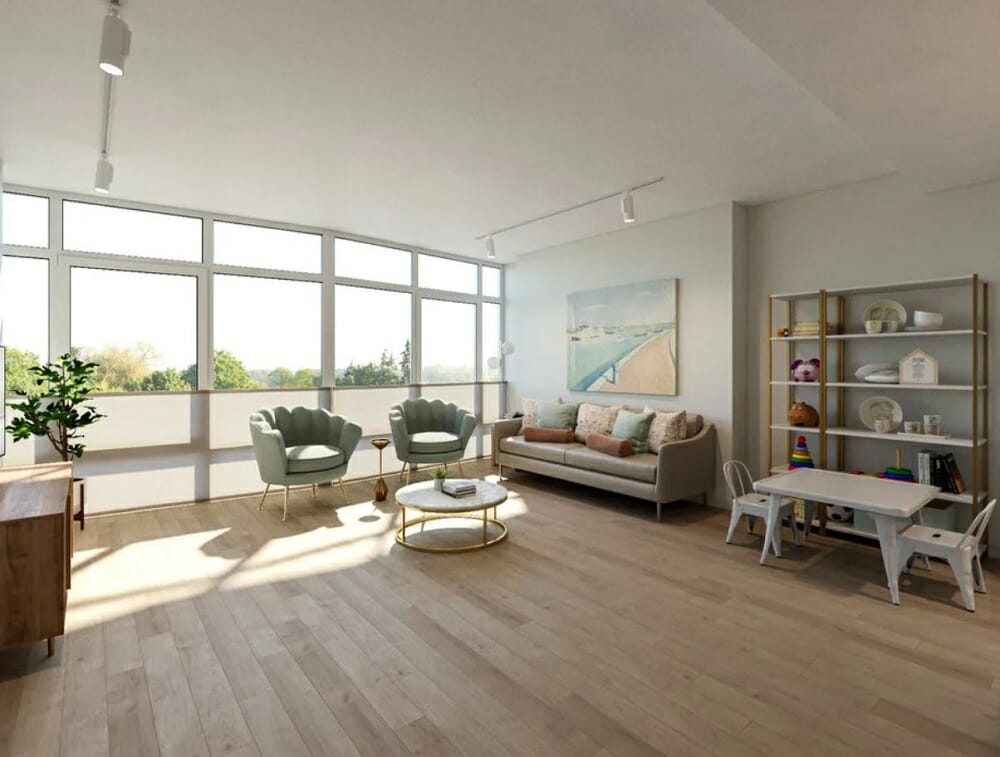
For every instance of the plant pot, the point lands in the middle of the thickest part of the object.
(438, 484)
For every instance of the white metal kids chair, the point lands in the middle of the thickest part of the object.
(960, 550)
(748, 502)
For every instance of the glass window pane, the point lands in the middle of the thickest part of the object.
(155, 348)
(491, 340)
(372, 337)
(261, 247)
(122, 231)
(24, 297)
(267, 333)
(25, 220)
(491, 281)
(449, 275)
(359, 260)
(447, 341)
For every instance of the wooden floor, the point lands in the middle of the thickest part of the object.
(593, 630)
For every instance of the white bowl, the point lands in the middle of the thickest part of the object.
(925, 319)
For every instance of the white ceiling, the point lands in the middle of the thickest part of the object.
(432, 122)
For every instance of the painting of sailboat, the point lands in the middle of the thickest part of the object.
(623, 339)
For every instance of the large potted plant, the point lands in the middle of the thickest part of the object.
(56, 408)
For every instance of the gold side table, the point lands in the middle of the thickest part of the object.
(381, 490)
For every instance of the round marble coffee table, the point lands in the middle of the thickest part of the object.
(435, 505)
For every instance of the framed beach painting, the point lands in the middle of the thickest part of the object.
(623, 339)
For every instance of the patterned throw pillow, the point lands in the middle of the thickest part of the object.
(667, 427)
(530, 409)
(595, 419)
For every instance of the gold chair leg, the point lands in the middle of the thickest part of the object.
(461, 470)
(409, 469)
(347, 500)
(314, 490)
(285, 513)
(402, 471)
(263, 496)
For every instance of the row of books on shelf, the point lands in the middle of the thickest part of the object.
(940, 471)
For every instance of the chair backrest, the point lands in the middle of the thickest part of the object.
(429, 415)
(978, 526)
(738, 478)
(302, 425)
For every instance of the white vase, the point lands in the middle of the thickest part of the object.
(439, 484)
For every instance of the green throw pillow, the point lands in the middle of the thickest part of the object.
(634, 427)
(556, 415)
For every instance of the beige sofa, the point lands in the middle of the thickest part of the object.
(678, 470)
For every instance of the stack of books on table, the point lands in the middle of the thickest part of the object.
(809, 328)
(458, 487)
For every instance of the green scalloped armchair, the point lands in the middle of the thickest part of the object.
(302, 445)
(430, 431)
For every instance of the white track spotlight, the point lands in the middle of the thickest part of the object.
(105, 173)
(491, 248)
(628, 209)
(116, 39)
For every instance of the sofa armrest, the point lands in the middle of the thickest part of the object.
(350, 435)
(400, 435)
(269, 449)
(686, 468)
(502, 429)
(465, 426)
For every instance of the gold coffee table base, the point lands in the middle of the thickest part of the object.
(484, 521)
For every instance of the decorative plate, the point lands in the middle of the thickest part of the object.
(883, 377)
(881, 407)
(869, 368)
(886, 310)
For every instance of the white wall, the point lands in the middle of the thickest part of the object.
(698, 249)
(877, 231)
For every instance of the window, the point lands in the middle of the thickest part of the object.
(25, 220)
(122, 231)
(267, 333)
(448, 275)
(491, 281)
(24, 296)
(491, 340)
(448, 341)
(372, 339)
(359, 260)
(140, 327)
(261, 247)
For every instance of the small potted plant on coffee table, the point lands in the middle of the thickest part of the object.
(439, 476)
(56, 408)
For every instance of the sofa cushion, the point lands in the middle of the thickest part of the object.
(538, 434)
(552, 452)
(610, 445)
(530, 409)
(640, 467)
(595, 419)
(430, 442)
(695, 423)
(556, 415)
(634, 427)
(310, 458)
(666, 427)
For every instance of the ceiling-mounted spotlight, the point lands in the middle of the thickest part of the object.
(628, 209)
(105, 173)
(116, 39)
(491, 248)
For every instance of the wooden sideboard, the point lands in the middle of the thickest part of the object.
(36, 519)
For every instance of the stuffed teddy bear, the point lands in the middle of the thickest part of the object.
(801, 414)
(805, 370)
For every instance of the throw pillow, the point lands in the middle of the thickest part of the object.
(530, 409)
(595, 419)
(610, 446)
(556, 415)
(536, 434)
(634, 427)
(666, 427)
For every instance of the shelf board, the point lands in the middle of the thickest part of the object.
(794, 338)
(903, 286)
(906, 334)
(963, 499)
(880, 387)
(795, 383)
(789, 427)
(858, 433)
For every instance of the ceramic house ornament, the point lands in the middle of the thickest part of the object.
(918, 368)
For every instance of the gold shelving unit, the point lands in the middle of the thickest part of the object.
(833, 346)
